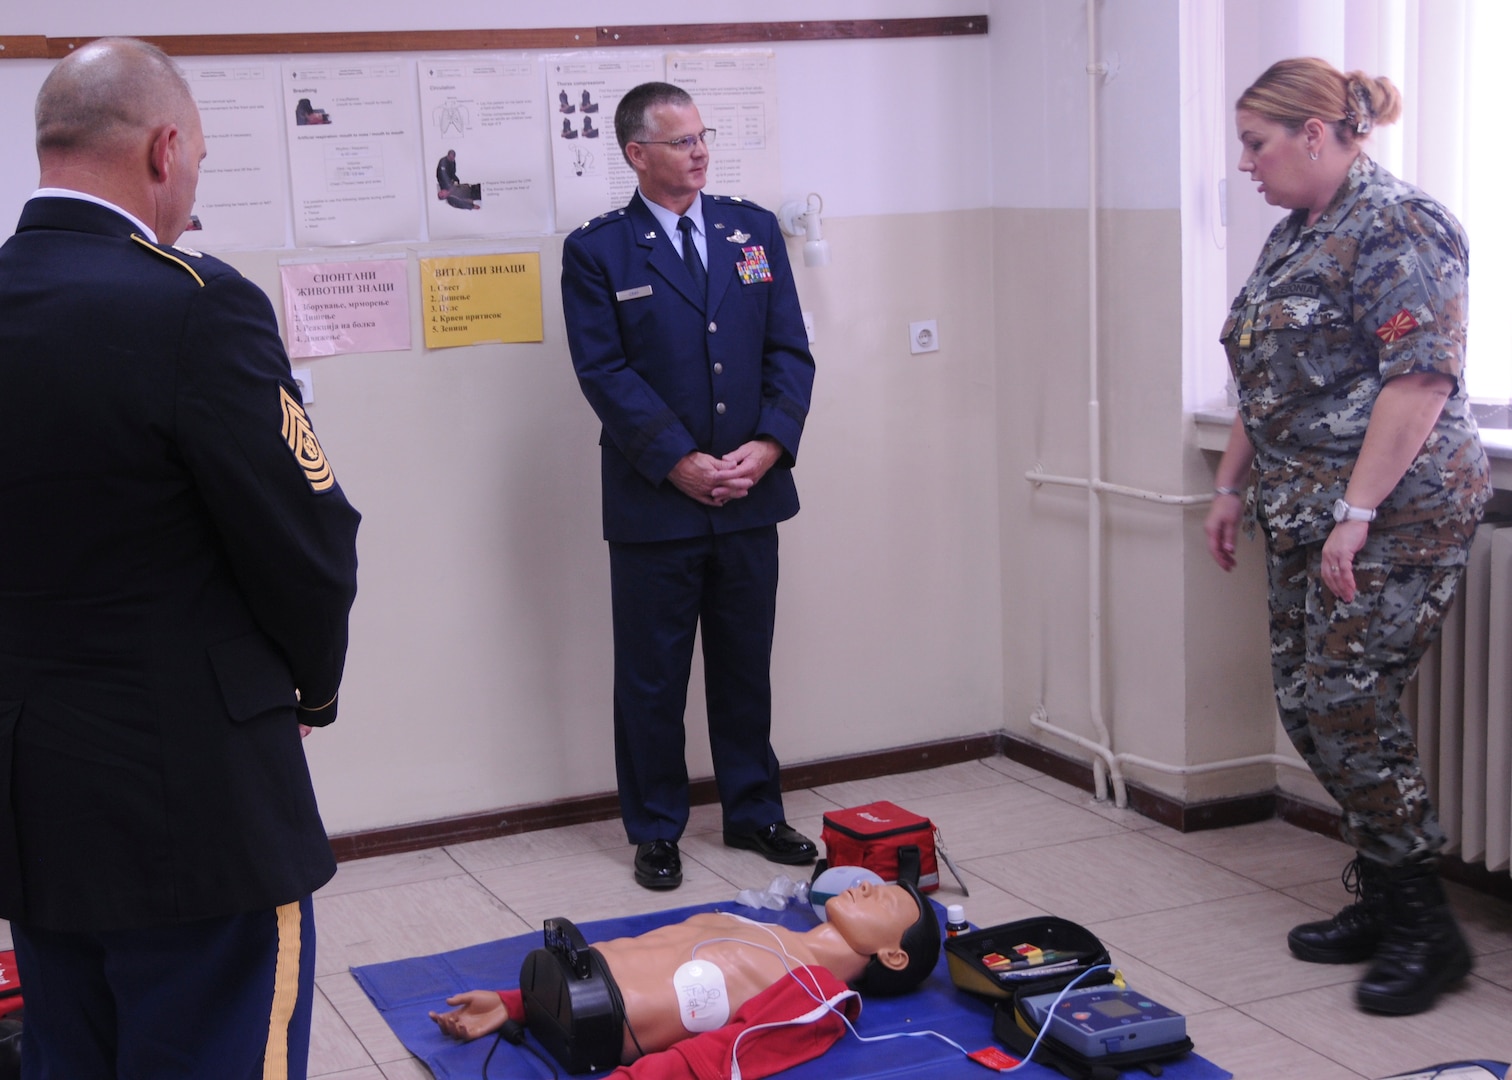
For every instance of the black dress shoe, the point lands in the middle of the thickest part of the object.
(658, 865)
(779, 842)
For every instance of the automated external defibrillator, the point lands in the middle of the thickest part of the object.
(1097, 1021)
(1059, 1000)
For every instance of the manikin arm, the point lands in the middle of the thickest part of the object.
(477, 1013)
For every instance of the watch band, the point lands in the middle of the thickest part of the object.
(1342, 511)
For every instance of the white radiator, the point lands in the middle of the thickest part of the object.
(1462, 702)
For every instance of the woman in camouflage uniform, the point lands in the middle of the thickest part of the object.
(1367, 478)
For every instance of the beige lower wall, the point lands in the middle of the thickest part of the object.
(928, 590)
(480, 665)
(1185, 677)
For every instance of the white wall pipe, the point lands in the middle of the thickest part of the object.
(1094, 437)
(1036, 477)
(1106, 764)
(1114, 762)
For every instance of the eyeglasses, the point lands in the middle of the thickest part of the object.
(686, 143)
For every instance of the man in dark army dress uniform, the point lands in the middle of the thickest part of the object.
(177, 565)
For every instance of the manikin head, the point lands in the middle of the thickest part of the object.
(895, 926)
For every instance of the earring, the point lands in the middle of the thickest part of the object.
(1313, 154)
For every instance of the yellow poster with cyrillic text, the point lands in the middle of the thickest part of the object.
(477, 299)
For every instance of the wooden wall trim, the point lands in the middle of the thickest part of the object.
(550, 815)
(23, 47)
(498, 39)
(1184, 817)
(841, 30)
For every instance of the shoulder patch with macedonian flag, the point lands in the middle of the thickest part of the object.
(300, 436)
(1398, 326)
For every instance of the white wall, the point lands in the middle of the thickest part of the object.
(1182, 652)
(928, 591)
(479, 672)
(1039, 94)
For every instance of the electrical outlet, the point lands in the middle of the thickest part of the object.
(923, 337)
(306, 383)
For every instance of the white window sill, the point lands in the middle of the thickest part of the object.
(1213, 431)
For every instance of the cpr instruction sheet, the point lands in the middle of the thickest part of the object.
(354, 151)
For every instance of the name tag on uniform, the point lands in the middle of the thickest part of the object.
(633, 294)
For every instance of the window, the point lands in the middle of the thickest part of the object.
(1445, 56)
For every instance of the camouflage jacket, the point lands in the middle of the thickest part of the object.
(1375, 288)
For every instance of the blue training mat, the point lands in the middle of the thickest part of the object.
(404, 991)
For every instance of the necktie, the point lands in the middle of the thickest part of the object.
(690, 257)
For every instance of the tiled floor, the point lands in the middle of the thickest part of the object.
(1197, 920)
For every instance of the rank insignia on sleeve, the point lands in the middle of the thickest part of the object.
(305, 447)
(754, 267)
(1398, 326)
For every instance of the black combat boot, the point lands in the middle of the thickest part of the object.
(1422, 950)
(1353, 934)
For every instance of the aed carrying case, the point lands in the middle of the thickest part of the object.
(10, 983)
(897, 844)
(1043, 955)
(10, 1017)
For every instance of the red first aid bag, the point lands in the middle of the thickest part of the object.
(10, 984)
(884, 838)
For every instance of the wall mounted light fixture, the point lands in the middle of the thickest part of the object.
(802, 219)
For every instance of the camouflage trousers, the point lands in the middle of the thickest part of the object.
(1339, 672)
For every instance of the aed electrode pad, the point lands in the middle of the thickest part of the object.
(701, 996)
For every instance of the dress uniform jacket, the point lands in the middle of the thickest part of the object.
(668, 372)
(177, 564)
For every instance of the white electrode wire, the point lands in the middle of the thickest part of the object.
(824, 1004)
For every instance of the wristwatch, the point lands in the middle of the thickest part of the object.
(1344, 512)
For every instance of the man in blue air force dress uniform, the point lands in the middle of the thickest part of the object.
(176, 569)
(688, 342)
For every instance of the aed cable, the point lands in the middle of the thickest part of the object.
(514, 1032)
(1051, 1011)
(619, 1001)
(782, 954)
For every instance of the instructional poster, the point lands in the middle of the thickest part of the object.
(353, 150)
(242, 200)
(342, 307)
(480, 299)
(582, 89)
(485, 157)
(736, 94)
